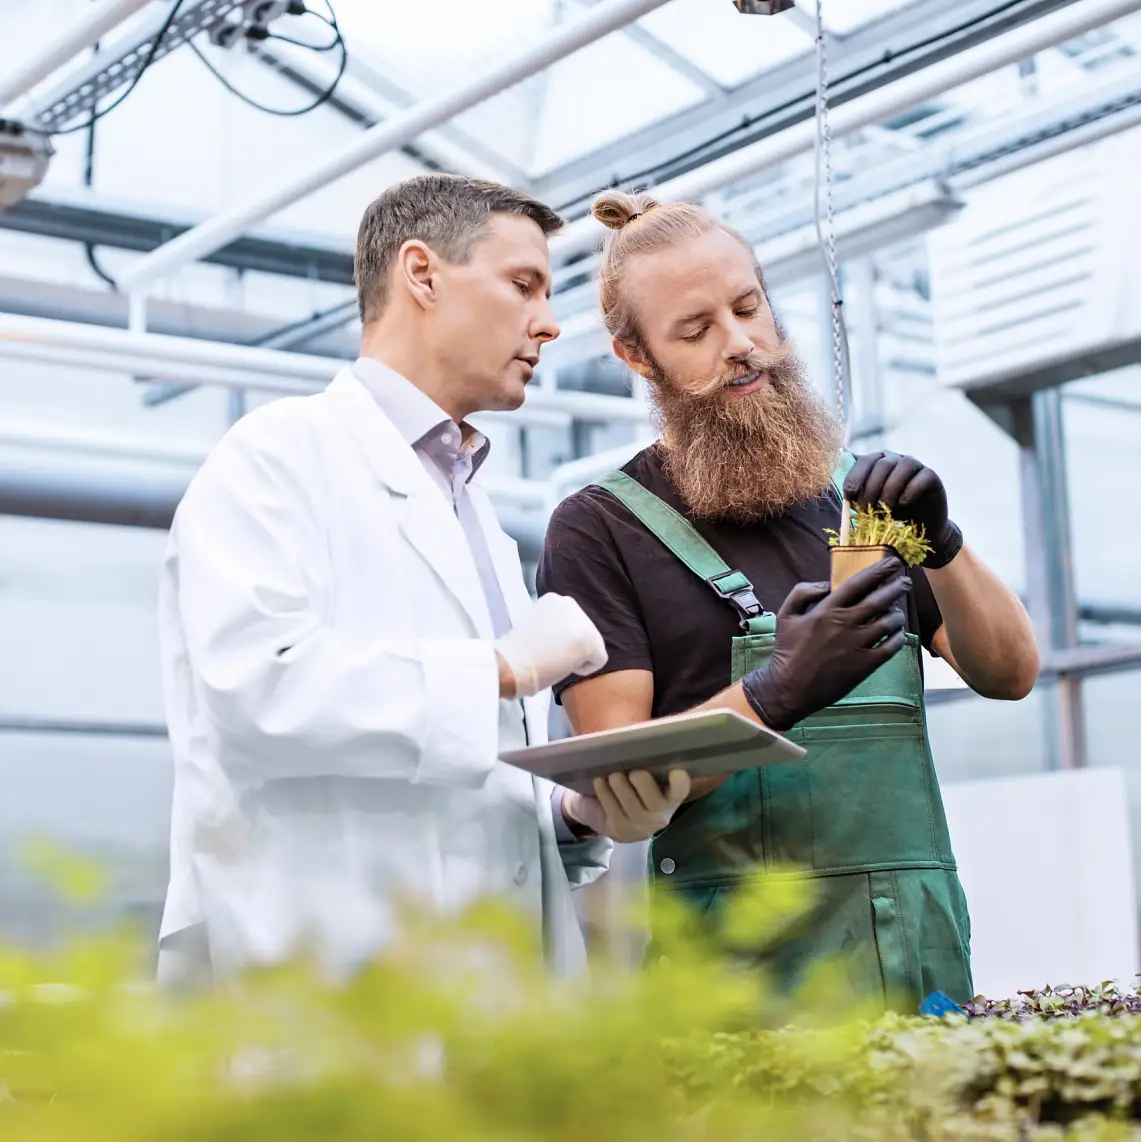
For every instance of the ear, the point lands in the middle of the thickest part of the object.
(416, 269)
(630, 356)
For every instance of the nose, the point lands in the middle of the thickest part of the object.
(739, 344)
(544, 325)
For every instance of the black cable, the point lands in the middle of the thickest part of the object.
(322, 97)
(88, 181)
(155, 45)
(651, 173)
(303, 44)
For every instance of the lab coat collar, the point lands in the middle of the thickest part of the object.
(414, 413)
(425, 518)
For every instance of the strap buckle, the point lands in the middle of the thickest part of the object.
(738, 592)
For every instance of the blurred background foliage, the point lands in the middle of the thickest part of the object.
(456, 1032)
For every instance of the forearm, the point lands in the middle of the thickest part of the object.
(731, 698)
(986, 628)
(425, 712)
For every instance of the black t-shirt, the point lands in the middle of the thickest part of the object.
(655, 614)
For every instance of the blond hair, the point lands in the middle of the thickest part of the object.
(639, 224)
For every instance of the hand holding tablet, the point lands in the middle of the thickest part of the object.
(702, 744)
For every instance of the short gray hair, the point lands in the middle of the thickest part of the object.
(446, 212)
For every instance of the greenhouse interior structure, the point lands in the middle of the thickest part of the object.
(181, 183)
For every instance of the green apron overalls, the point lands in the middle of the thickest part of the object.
(861, 814)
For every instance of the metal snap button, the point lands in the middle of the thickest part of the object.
(667, 866)
(521, 875)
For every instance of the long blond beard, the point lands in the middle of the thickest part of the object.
(751, 457)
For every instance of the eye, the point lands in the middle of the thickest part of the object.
(694, 336)
(750, 312)
(524, 288)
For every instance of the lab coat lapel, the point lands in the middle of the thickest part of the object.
(426, 520)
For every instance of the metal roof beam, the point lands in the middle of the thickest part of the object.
(881, 52)
(878, 106)
(80, 34)
(534, 57)
(368, 98)
(104, 222)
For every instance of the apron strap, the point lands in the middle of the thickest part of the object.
(684, 540)
(843, 467)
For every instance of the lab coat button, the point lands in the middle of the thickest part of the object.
(520, 874)
(667, 866)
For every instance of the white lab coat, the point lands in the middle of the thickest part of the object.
(332, 698)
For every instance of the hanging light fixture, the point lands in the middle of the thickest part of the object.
(763, 7)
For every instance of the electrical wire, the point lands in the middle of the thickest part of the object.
(156, 43)
(88, 181)
(655, 174)
(321, 98)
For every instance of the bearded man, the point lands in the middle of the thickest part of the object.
(705, 565)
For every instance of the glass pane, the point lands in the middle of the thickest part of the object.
(843, 16)
(103, 798)
(1102, 424)
(426, 47)
(434, 41)
(609, 89)
(972, 738)
(79, 614)
(728, 46)
(1111, 740)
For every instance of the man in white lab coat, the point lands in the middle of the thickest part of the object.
(347, 640)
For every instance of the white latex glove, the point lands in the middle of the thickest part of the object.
(628, 807)
(553, 640)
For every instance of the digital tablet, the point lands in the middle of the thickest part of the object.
(703, 744)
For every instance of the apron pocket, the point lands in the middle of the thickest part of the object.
(867, 793)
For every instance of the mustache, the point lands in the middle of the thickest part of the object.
(774, 361)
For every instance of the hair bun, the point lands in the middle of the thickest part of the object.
(615, 208)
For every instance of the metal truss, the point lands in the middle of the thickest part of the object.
(967, 157)
(908, 40)
(80, 92)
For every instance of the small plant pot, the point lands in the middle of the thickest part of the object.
(849, 560)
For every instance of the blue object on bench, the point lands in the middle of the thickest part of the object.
(938, 1005)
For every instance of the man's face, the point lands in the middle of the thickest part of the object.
(744, 436)
(493, 313)
(702, 314)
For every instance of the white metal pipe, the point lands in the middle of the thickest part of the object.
(216, 232)
(156, 369)
(1082, 136)
(44, 436)
(82, 33)
(163, 347)
(236, 366)
(515, 489)
(529, 415)
(875, 107)
(53, 437)
(576, 474)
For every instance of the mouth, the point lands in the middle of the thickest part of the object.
(532, 364)
(752, 383)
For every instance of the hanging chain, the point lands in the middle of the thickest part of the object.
(828, 237)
